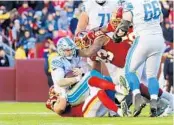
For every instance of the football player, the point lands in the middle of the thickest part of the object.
(96, 13)
(147, 47)
(73, 89)
(87, 42)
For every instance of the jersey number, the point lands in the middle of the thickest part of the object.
(152, 11)
(104, 56)
(104, 16)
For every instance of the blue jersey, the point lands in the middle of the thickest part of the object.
(67, 65)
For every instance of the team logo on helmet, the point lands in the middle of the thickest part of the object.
(81, 40)
(116, 17)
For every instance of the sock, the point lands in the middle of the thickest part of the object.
(106, 101)
(153, 96)
(101, 83)
(133, 81)
(135, 92)
(153, 87)
(144, 91)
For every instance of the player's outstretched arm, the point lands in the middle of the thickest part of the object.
(94, 48)
(59, 79)
(82, 23)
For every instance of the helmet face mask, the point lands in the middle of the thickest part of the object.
(66, 47)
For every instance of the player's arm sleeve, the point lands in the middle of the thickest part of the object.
(58, 76)
(94, 48)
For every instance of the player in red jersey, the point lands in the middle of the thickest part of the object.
(100, 47)
(70, 111)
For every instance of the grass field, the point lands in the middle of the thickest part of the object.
(37, 114)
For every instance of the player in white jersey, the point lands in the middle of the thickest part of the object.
(73, 90)
(63, 64)
(147, 47)
(95, 13)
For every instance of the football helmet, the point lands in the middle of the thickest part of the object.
(116, 17)
(64, 44)
(50, 102)
(81, 40)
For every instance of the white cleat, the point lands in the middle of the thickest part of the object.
(124, 108)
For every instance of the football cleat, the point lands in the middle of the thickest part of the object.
(139, 104)
(153, 112)
(124, 85)
(124, 108)
(153, 108)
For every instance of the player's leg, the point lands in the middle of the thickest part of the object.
(80, 91)
(152, 67)
(136, 56)
(92, 105)
(104, 84)
(169, 97)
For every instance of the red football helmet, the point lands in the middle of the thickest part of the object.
(50, 102)
(82, 41)
(116, 17)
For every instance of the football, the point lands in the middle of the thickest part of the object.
(69, 74)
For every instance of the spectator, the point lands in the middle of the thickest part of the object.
(63, 21)
(57, 16)
(15, 32)
(48, 4)
(47, 67)
(24, 8)
(50, 21)
(74, 21)
(168, 71)
(20, 51)
(4, 61)
(167, 31)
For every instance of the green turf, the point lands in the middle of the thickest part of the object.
(37, 114)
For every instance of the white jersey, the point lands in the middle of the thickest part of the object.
(99, 15)
(146, 16)
(60, 66)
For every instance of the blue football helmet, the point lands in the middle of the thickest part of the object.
(66, 43)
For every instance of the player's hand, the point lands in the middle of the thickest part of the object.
(77, 71)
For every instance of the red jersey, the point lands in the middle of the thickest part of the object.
(112, 52)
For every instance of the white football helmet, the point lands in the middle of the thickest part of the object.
(66, 43)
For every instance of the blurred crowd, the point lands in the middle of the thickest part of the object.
(25, 24)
